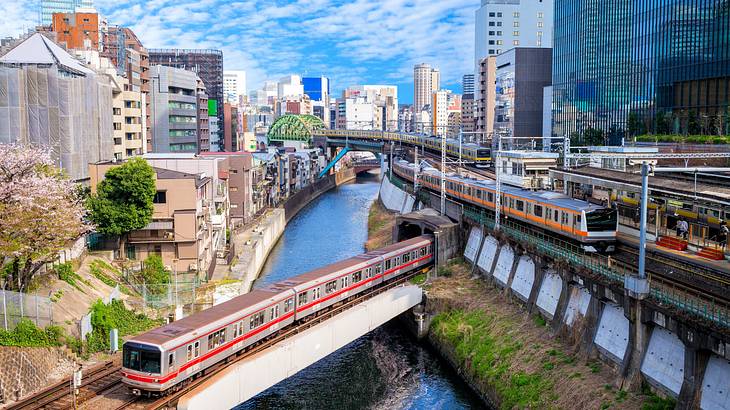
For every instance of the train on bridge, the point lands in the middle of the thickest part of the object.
(591, 226)
(469, 152)
(166, 358)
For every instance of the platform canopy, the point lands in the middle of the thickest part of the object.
(294, 128)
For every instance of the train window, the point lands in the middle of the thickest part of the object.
(377, 269)
(344, 282)
(330, 287)
(557, 213)
(357, 276)
(520, 205)
(387, 264)
(288, 304)
(170, 360)
(197, 348)
(190, 352)
(316, 293)
(257, 319)
(235, 330)
(406, 257)
(302, 298)
(414, 255)
(538, 211)
(396, 261)
(490, 197)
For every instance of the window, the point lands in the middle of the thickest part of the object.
(491, 42)
(515, 24)
(190, 353)
(490, 197)
(302, 298)
(344, 282)
(491, 51)
(499, 14)
(170, 360)
(257, 319)
(499, 42)
(516, 14)
(288, 304)
(515, 33)
(491, 14)
(387, 264)
(520, 205)
(539, 24)
(539, 33)
(499, 33)
(406, 257)
(330, 287)
(274, 312)
(499, 24)
(515, 42)
(491, 24)
(357, 276)
(377, 270)
(540, 15)
(538, 211)
(316, 293)
(491, 33)
(197, 348)
(117, 111)
(160, 197)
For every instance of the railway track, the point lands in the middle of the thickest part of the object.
(105, 380)
(96, 380)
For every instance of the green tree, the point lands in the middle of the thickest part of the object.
(634, 126)
(154, 272)
(593, 136)
(693, 123)
(123, 201)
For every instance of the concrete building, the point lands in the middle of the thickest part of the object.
(203, 121)
(426, 80)
(77, 31)
(240, 185)
(318, 90)
(440, 103)
(522, 74)
(486, 97)
(180, 231)
(382, 113)
(504, 24)
(467, 84)
(207, 64)
(128, 118)
(234, 86)
(468, 119)
(174, 110)
(50, 98)
(359, 114)
(527, 169)
(290, 86)
(48, 7)
(405, 118)
(230, 128)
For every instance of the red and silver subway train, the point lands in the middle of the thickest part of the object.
(593, 227)
(169, 356)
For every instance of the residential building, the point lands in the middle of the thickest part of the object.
(405, 118)
(671, 72)
(203, 121)
(52, 99)
(522, 73)
(174, 108)
(486, 97)
(48, 7)
(384, 99)
(128, 118)
(426, 80)
(441, 103)
(77, 30)
(230, 128)
(240, 185)
(468, 119)
(318, 90)
(359, 114)
(290, 86)
(181, 228)
(234, 86)
(504, 24)
(467, 84)
(208, 65)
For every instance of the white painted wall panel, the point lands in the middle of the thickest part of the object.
(472, 245)
(524, 277)
(716, 385)
(664, 360)
(612, 335)
(504, 265)
(488, 254)
(550, 290)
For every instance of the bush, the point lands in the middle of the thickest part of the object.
(104, 318)
(154, 272)
(27, 334)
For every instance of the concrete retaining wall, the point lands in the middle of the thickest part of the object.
(524, 278)
(24, 370)
(488, 255)
(612, 335)
(549, 296)
(503, 269)
(716, 385)
(302, 198)
(472, 246)
(395, 199)
(252, 257)
(663, 363)
(578, 302)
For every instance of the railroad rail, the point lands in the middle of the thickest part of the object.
(106, 378)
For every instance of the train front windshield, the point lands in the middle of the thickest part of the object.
(141, 358)
(601, 220)
(483, 153)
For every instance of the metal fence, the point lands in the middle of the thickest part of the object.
(668, 293)
(15, 306)
(160, 296)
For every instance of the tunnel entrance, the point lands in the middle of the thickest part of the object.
(408, 230)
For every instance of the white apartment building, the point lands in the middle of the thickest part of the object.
(504, 24)
(426, 80)
(290, 86)
(234, 86)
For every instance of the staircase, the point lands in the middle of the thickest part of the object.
(714, 254)
(671, 242)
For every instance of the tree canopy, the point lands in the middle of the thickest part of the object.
(41, 212)
(123, 200)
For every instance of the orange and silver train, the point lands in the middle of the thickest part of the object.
(593, 227)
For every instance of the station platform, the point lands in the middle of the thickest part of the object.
(688, 256)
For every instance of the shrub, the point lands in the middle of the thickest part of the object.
(154, 272)
(104, 318)
(27, 334)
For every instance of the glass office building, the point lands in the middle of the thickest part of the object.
(642, 66)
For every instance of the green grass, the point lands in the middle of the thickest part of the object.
(539, 321)
(489, 348)
(66, 273)
(595, 366)
(107, 274)
(419, 279)
(115, 315)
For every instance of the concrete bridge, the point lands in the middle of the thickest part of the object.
(252, 375)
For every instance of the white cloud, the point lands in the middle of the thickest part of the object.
(18, 17)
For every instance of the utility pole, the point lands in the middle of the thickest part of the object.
(443, 175)
(498, 184)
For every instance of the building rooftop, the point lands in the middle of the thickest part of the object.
(40, 50)
(625, 150)
(170, 174)
(530, 154)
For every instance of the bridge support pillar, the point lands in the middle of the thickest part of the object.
(638, 342)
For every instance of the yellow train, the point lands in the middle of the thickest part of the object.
(476, 154)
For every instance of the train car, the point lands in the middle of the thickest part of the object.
(164, 357)
(167, 357)
(593, 227)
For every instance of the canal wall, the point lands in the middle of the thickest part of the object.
(642, 341)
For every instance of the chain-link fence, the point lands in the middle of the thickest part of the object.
(15, 306)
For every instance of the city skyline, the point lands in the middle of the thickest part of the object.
(345, 44)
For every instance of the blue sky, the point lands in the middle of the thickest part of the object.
(352, 42)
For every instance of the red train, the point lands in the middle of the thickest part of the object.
(171, 355)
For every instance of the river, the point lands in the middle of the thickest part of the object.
(385, 369)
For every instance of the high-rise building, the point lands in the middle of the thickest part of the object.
(522, 74)
(504, 24)
(290, 86)
(318, 90)
(669, 72)
(77, 31)
(203, 117)
(48, 7)
(175, 110)
(485, 98)
(234, 86)
(426, 80)
(467, 84)
(207, 64)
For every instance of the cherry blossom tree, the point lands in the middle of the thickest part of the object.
(41, 212)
